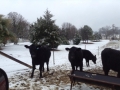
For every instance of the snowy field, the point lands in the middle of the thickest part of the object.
(19, 75)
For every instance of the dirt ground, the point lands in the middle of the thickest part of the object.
(59, 78)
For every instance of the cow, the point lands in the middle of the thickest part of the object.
(75, 57)
(111, 60)
(39, 55)
(88, 56)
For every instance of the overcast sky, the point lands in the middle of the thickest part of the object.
(94, 13)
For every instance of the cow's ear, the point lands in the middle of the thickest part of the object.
(78, 49)
(27, 46)
(67, 49)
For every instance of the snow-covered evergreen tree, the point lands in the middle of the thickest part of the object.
(45, 31)
(76, 39)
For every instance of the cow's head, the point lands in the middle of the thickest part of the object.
(33, 49)
(94, 59)
(73, 52)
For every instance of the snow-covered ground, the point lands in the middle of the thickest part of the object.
(19, 75)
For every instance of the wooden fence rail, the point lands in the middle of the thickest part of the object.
(14, 59)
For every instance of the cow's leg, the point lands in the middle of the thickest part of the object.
(40, 68)
(81, 66)
(73, 67)
(33, 68)
(106, 70)
(43, 68)
(47, 66)
(87, 62)
(76, 67)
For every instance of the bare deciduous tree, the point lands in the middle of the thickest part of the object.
(109, 32)
(69, 30)
(105, 31)
(19, 26)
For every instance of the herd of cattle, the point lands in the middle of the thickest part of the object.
(110, 58)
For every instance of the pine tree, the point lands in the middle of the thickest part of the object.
(5, 34)
(45, 31)
(76, 39)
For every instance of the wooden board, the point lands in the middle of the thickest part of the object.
(14, 59)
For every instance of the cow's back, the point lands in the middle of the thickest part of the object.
(87, 53)
(111, 59)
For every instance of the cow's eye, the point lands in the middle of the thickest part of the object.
(37, 48)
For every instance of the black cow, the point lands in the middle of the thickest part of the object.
(75, 57)
(39, 56)
(111, 60)
(88, 56)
